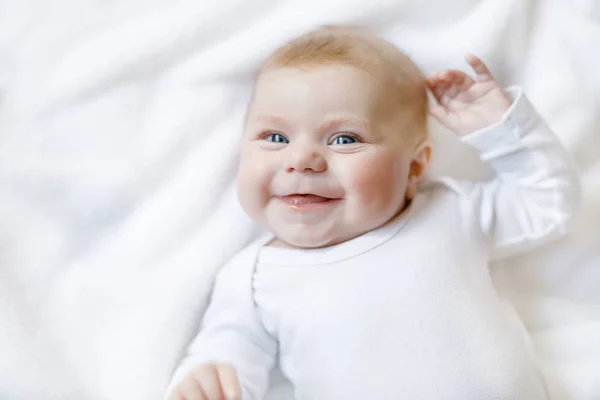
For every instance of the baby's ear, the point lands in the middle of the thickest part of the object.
(418, 167)
(421, 159)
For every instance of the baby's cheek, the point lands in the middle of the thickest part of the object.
(253, 185)
(376, 181)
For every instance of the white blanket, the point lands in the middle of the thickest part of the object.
(119, 130)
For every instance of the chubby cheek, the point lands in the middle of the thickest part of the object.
(378, 182)
(253, 183)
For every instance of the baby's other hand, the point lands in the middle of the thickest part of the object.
(466, 104)
(209, 382)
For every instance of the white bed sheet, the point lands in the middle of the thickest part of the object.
(119, 131)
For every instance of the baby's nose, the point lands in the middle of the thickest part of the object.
(305, 160)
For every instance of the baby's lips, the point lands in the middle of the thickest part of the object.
(304, 199)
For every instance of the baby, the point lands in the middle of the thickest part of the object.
(371, 285)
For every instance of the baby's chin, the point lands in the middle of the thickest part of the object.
(308, 238)
(302, 244)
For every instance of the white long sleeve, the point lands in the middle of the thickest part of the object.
(231, 332)
(536, 190)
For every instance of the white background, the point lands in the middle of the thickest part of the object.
(119, 130)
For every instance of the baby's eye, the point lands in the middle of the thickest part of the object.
(276, 138)
(344, 139)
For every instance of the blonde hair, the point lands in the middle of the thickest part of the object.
(402, 80)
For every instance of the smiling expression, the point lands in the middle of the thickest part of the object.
(320, 162)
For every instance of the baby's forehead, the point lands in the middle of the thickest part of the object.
(319, 78)
(333, 85)
(338, 82)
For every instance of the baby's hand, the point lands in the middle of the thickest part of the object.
(209, 382)
(467, 105)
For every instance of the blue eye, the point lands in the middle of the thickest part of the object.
(344, 139)
(276, 138)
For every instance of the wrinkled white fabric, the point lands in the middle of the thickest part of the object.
(119, 131)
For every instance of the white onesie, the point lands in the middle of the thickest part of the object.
(407, 311)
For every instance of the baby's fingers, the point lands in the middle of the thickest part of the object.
(482, 73)
(229, 382)
(189, 389)
(446, 85)
(207, 378)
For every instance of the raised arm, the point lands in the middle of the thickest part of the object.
(536, 190)
(232, 356)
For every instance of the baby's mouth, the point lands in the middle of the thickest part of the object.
(305, 199)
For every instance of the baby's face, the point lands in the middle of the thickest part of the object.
(319, 165)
